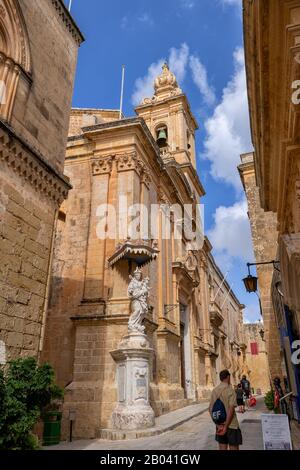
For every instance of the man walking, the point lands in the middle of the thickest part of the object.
(246, 389)
(228, 433)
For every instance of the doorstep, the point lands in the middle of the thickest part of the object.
(163, 423)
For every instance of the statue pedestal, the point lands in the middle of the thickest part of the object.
(133, 411)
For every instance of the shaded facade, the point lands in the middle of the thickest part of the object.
(194, 321)
(38, 52)
(272, 38)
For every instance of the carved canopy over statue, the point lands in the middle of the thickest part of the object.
(138, 291)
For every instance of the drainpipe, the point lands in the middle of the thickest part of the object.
(47, 293)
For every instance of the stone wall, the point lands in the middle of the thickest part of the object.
(88, 117)
(26, 232)
(33, 130)
(226, 317)
(264, 236)
(256, 361)
(41, 111)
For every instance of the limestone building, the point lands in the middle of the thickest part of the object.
(38, 52)
(194, 320)
(264, 236)
(256, 365)
(272, 38)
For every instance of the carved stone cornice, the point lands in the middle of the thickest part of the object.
(130, 161)
(67, 19)
(31, 167)
(102, 165)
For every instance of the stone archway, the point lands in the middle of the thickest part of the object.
(14, 54)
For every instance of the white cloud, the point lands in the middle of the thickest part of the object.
(231, 235)
(144, 86)
(236, 4)
(189, 4)
(146, 19)
(124, 22)
(178, 60)
(232, 2)
(228, 130)
(199, 74)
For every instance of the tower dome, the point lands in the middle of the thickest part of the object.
(165, 86)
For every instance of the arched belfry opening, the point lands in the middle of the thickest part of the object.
(162, 136)
(14, 54)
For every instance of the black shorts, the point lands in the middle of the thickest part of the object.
(240, 402)
(247, 393)
(233, 437)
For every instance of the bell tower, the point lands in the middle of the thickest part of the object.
(170, 120)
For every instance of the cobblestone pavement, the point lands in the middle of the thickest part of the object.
(196, 434)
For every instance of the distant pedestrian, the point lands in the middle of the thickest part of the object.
(240, 398)
(279, 400)
(246, 389)
(222, 410)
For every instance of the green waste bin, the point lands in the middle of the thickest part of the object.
(52, 428)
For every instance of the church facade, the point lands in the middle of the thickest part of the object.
(134, 204)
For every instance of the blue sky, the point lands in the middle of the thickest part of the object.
(203, 42)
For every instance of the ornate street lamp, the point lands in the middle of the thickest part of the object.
(250, 281)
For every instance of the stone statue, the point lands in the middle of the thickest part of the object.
(138, 291)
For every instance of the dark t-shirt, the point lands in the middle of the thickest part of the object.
(245, 385)
(239, 394)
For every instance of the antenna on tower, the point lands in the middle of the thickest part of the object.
(70, 4)
(122, 91)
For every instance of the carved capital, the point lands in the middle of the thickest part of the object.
(102, 165)
(162, 198)
(146, 179)
(130, 161)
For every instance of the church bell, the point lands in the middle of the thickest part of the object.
(162, 138)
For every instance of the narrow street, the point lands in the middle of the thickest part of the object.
(196, 434)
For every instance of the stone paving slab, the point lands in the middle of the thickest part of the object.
(197, 433)
(163, 423)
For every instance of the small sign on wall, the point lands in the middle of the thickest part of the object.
(276, 432)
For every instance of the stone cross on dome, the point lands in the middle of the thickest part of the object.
(165, 86)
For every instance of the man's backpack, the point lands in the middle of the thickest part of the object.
(218, 413)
